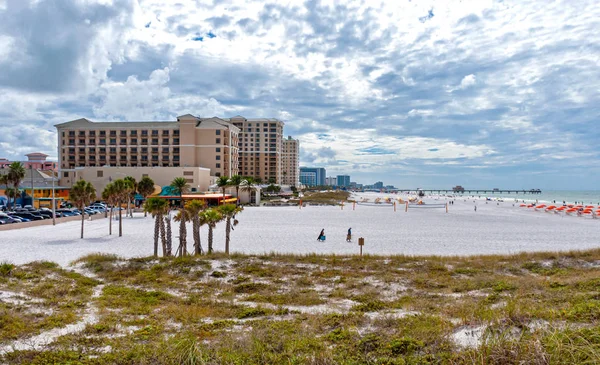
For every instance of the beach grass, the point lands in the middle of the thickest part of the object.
(538, 308)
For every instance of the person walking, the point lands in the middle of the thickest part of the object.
(476, 208)
(321, 235)
(349, 235)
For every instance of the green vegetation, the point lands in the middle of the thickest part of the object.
(272, 309)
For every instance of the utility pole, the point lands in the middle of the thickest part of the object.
(31, 172)
(53, 202)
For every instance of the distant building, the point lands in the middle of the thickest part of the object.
(343, 181)
(308, 178)
(319, 172)
(35, 160)
(378, 185)
(458, 189)
(331, 181)
(291, 161)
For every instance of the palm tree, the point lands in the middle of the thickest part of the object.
(11, 192)
(228, 211)
(236, 181)
(157, 207)
(194, 208)
(16, 174)
(121, 191)
(132, 187)
(108, 195)
(81, 194)
(145, 188)
(4, 181)
(223, 183)
(249, 185)
(182, 217)
(168, 244)
(180, 186)
(212, 217)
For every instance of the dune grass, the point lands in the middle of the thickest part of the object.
(310, 309)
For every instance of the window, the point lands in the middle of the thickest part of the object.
(133, 133)
(165, 150)
(218, 149)
(113, 133)
(144, 133)
(123, 141)
(92, 133)
(218, 165)
(102, 133)
(217, 174)
(113, 141)
(218, 141)
(165, 133)
(65, 174)
(155, 132)
(99, 173)
(218, 158)
(71, 133)
(218, 131)
(144, 175)
(123, 133)
(188, 173)
(165, 141)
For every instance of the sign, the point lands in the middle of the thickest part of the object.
(361, 241)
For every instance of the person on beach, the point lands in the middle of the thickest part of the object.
(349, 235)
(476, 208)
(321, 235)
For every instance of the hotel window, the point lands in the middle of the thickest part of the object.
(102, 133)
(133, 133)
(218, 131)
(154, 140)
(218, 149)
(82, 141)
(155, 132)
(176, 141)
(113, 150)
(218, 158)
(154, 149)
(176, 150)
(103, 158)
(102, 141)
(144, 158)
(165, 133)
(123, 150)
(71, 133)
(113, 141)
(165, 150)
(102, 150)
(134, 150)
(65, 174)
(92, 133)
(188, 173)
(218, 141)
(113, 133)
(144, 133)
(165, 141)
(144, 140)
(123, 141)
(144, 149)
(218, 165)
(82, 150)
(99, 173)
(134, 141)
(176, 132)
(123, 133)
(217, 174)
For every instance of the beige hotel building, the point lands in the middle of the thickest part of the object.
(199, 149)
(291, 163)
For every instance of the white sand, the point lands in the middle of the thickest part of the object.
(492, 229)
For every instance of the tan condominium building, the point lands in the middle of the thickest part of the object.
(291, 163)
(260, 147)
(211, 143)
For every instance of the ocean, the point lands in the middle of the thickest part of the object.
(550, 196)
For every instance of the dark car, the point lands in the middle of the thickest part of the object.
(30, 216)
(5, 219)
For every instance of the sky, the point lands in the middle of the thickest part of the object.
(431, 94)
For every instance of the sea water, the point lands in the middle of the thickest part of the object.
(550, 196)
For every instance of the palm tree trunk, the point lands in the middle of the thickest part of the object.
(110, 221)
(82, 220)
(182, 236)
(120, 221)
(237, 196)
(227, 231)
(196, 232)
(162, 235)
(210, 239)
(169, 236)
(156, 233)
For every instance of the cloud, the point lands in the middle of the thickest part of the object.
(400, 92)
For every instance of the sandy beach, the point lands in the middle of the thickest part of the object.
(495, 228)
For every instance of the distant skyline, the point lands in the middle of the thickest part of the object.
(431, 94)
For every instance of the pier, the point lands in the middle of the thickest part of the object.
(474, 191)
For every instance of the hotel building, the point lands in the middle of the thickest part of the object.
(260, 148)
(210, 143)
(291, 163)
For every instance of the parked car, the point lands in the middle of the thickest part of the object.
(6, 219)
(66, 212)
(30, 216)
(19, 219)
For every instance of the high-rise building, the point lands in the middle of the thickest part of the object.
(331, 181)
(211, 143)
(260, 148)
(291, 161)
(343, 181)
(308, 178)
(378, 185)
(319, 172)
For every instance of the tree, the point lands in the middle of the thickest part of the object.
(109, 196)
(180, 186)
(228, 211)
(132, 187)
(248, 185)
(223, 183)
(212, 217)
(81, 194)
(182, 217)
(157, 208)
(121, 191)
(145, 188)
(4, 181)
(236, 181)
(16, 174)
(257, 180)
(11, 192)
(168, 243)
(194, 208)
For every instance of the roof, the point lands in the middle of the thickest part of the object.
(85, 123)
